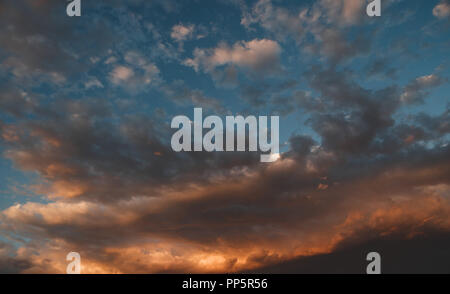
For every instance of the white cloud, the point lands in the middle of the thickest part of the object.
(442, 10)
(93, 83)
(257, 55)
(136, 73)
(121, 74)
(416, 90)
(182, 33)
(429, 80)
(111, 60)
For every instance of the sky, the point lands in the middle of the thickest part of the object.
(86, 164)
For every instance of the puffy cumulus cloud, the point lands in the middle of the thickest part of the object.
(442, 10)
(182, 32)
(416, 90)
(258, 55)
(121, 74)
(137, 74)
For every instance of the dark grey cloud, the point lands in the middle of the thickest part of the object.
(381, 67)
(439, 124)
(333, 44)
(136, 189)
(274, 204)
(354, 115)
(319, 29)
(418, 255)
(81, 143)
(9, 262)
(38, 38)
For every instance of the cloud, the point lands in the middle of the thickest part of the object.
(278, 20)
(137, 74)
(182, 33)
(93, 82)
(357, 165)
(343, 12)
(43, 46)
(381, 68)
(142, 225)
(81, 150)
(415, 91)
(115, 179)
(268, 92)
(10, 263)
(121, 74)
(258, 55)
(360, 115)
(185, 212)
(439, 124)
(197, 228)
(442, 10)
(326, 21)
(429, 252)
(180, 93)
(15, 101)
(333, 44)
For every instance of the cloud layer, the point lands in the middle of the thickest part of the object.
(365, 160)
